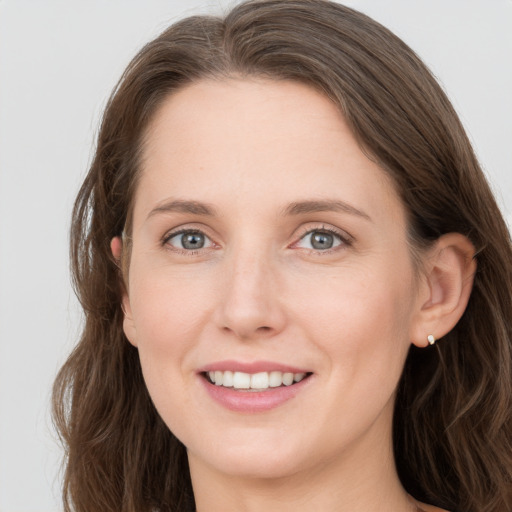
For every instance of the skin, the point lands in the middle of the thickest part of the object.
(259, 290)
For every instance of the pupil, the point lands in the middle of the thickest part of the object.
(322, 240)
(192, 241)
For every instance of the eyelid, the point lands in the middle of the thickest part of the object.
(346, 239)
(183, 229)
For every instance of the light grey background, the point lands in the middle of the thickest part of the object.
(59, 59)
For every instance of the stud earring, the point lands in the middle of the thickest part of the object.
(431, 339)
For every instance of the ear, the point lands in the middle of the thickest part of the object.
(445, 289)
(116, 246)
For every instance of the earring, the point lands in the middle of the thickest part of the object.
(431, 339)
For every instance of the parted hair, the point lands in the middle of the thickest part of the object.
(452, 423)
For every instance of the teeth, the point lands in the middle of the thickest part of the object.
(240, 380)
(227, 379)
(275, 379)
(287, 379)
(261, 380)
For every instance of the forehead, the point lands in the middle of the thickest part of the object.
(242, 110)
(252, 140)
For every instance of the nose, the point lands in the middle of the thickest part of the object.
(250, 305)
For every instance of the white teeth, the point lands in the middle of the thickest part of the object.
(287, 379)
(227, 380)
(275, 379)
(261, 380)
(219, 377)
(240, 380)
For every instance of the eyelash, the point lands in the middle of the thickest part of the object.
(184, 231)
(344, 239)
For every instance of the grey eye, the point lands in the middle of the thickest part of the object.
(192, 240)
(320, 240)
(189, 240)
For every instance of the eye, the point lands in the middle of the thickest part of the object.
(321, 240)
(188, 240)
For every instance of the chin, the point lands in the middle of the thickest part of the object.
(260, 465)
(252, 456)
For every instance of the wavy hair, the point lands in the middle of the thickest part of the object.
(452, 422)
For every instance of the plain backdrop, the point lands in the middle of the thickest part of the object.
(59, 59)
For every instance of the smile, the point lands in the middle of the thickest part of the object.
(255, 381)
(253, 387)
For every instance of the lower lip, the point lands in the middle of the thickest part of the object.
(253, 401)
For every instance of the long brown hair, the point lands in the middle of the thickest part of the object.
(452, 424)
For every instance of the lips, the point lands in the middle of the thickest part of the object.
(253, 387)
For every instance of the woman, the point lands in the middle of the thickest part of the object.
(296, 281)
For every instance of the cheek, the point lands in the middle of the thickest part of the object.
(168, 313)
(364, 331)
(167, 308)
(361, 320)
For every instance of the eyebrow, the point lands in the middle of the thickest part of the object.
(181, 206)
(295, 208)
(304, 207)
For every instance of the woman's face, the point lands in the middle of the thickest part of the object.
(266, 243)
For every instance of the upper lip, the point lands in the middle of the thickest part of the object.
(252, 367)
